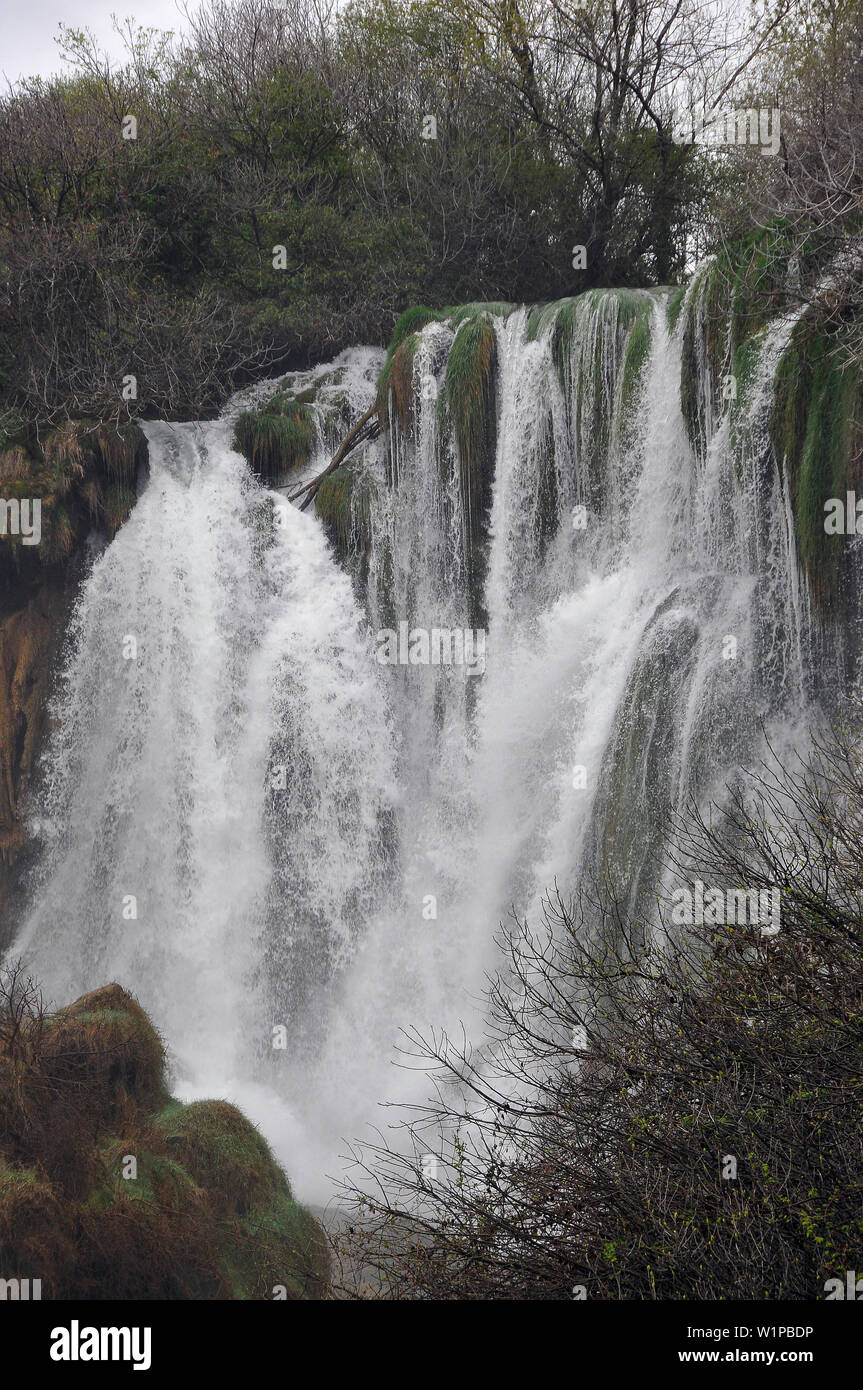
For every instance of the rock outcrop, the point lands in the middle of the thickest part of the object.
(109, 1188)
(82, 475)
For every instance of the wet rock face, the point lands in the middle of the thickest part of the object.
(33, 619)
(78, 480)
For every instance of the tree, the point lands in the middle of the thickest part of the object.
(812, 70)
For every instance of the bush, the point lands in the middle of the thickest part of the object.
(665, 1113)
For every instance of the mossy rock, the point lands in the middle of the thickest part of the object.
(409, 323)
(496, 308)
(83, 474)
(731, 301)
(635, 355)
(396, 385)
(203, 1211)
(223, 1152)
(159, 1178)
(251, 1198)
(598, 371)
(28, 1206)
(755, 274)
(624, 842)
(706, 339)
(674, 306)
(343, 504)
(470, 402)
(277, 439)
(37, 1230)
(278, 1246)
(817, 436)
(106, 1042)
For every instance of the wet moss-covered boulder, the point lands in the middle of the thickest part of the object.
(817, 436)
(343, 502)
(110, 1188)
(395, 383)
(470, 402)
(277, 438)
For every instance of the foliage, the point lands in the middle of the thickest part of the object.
(279, 200)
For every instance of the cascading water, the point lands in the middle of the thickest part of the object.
(268, 834)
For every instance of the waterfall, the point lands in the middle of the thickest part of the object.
(289, 849)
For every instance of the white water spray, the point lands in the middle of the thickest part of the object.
(255, 827)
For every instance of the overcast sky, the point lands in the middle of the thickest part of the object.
(28, 27)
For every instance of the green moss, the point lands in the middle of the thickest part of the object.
(410, 323)
(706, 337)
(277, 439)
(641, 756)
(673, 307)
(277, 1244)
(497, 308)
(395, 382)
(159, 1180)
(730, 302)
(817, 436)
(117, 503)
(345, 510)
(630, 307)
(745, 366)
(223, 1152)
(598, 370)
(636, 354)
(395, 385)
(539, 316)
(208, 1212)
(268, 1238)
(754, 273)
(470, 400)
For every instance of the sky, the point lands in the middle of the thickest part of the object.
(28, 29)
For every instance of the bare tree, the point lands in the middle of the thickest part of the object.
(658, 1114)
